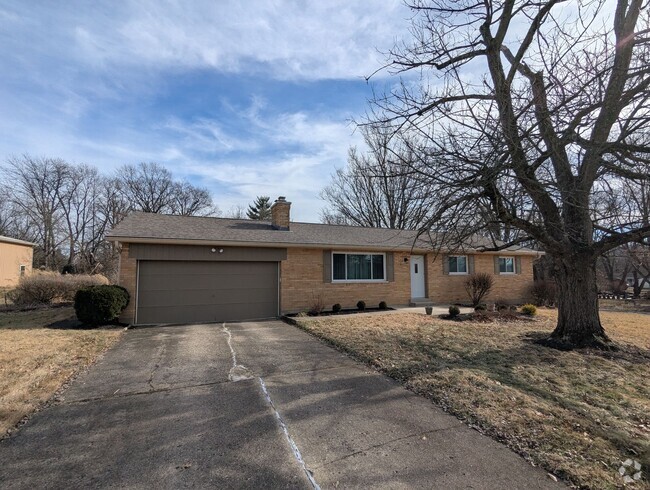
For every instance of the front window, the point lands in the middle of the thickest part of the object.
(358, 267)
(506, 265)
(458, 264)
(23, 269)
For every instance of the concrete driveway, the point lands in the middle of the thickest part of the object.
(248, 405)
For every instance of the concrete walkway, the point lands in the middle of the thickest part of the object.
(248, 405)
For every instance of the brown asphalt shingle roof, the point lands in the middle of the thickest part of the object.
(166, 228)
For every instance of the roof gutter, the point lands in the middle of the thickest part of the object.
(15, 241)
(233, 243)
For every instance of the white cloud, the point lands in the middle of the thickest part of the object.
(80, 78)
(287, 40)
(321, 145)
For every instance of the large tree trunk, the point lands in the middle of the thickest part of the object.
(578, 322)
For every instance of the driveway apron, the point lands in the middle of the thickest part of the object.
(248, 405)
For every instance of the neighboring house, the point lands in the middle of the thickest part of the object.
(630, 281)
(16, 258)
(190, 269)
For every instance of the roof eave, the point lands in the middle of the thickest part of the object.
(341, 246)
(16, 241)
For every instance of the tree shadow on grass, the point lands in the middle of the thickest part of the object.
(622, 351)
(70, 323)
(503, 366)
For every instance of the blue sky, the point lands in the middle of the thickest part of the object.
(245, 98)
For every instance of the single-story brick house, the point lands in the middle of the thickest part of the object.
(16, 257)
(182, 269)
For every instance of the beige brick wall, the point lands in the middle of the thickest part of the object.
(280, 214)
(302, 281)
(128, 278)
(510, 288)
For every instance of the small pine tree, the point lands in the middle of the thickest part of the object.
(260, 209)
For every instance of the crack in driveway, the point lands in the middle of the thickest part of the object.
(392, 441)
(159, 356)
(239, 372)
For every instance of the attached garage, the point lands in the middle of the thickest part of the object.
(198, 284)
(193, 292)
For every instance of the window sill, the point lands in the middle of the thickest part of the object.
(359, 281)
(458, 274)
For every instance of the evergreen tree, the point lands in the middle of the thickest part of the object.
(260, 209)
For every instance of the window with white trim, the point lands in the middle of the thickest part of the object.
(458, 264)
(23, 270)
(358, 267)
(506, 265)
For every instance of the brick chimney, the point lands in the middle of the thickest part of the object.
(281, 213)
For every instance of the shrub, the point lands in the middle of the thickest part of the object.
(50, 287)
(361, 305)
(82, 281)
(480, 307)
(99, 305)
(530, 310)
(544, 293)
(336, 308)
(500, 305)
(317, 305)
(69, 269)
(454, 311)
(383, 305)
(477, 286)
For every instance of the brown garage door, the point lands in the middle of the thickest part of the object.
(193, 292)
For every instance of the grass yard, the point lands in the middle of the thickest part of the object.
(38, 354)
(577, 414)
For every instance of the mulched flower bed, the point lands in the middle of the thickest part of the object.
(489, 316)
(345, 311)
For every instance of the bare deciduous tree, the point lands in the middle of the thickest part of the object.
(236, 212)
(13, 222)
(378, 188)
(150, 187)
(189, 200)
(68, 208)
(147, 187)
(36, 183)
(531, 109)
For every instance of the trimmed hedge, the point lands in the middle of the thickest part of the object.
(100, 305)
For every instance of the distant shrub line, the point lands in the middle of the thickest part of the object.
(45, 288)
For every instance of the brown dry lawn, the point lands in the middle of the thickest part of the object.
(577, 414)
(36, 357)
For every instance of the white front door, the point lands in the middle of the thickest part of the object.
(417, 276)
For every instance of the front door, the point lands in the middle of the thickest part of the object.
(417, 276)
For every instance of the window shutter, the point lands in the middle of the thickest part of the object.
(470, 264)
(518, 265)
(390, 267)
(445, 264)
(327, 266)
(496, 265)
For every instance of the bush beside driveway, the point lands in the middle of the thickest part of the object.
(578, 414)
